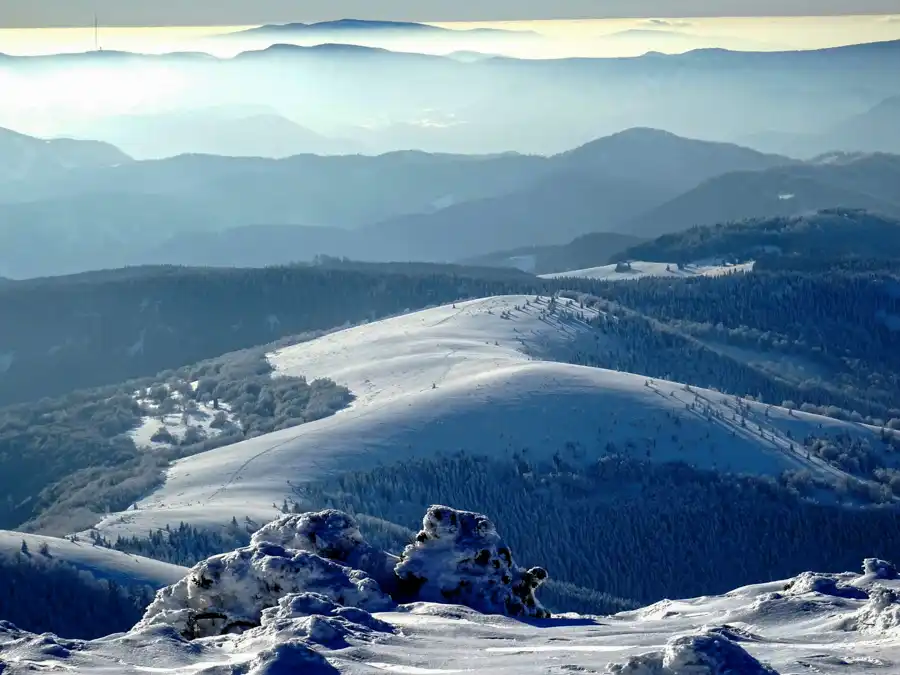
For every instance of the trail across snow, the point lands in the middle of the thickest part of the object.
(483, 376)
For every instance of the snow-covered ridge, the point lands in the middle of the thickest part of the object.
(102, 562)
(270, 609)
(487, 377)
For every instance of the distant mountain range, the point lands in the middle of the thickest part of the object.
(229, 131)
(27, 158)
(221, 211)
(875, 130)
(201, 209)
(399, 99)
(356, 27)
(857, 181)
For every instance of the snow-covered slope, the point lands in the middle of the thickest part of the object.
(639, 269)
(269, 608)
(102, 562)
(483, 376)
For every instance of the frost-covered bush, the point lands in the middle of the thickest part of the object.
(334, 535)
(227, 593)
(458, 557)
(703, 654)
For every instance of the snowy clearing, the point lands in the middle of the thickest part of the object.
(471, 377)
(638, 269)
(168, 422)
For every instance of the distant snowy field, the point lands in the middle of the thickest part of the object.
(483, 376)
(102, 562)
(640, 269)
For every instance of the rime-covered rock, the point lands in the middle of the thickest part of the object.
(459, 558)
(880, 614)
(227, 593)
(334, 535)
(825, 584)
(703, 654)
(876, 568)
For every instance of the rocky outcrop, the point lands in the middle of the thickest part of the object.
(315, 575)
(333, 535)
(228, 593)
(459, 558)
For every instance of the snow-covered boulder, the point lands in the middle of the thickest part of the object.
(293, 656)
(875, 568)
(320, 620)
(334, 535)
(702, 654)
(825, 584)
(459, 558)
(880, 614)
(227, 593)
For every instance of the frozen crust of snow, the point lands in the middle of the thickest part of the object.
(472, 376)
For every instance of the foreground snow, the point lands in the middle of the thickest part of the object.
(483, 376)
(638, 269)
(102, 562)
(267, 609)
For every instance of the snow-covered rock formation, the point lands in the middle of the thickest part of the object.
(459, 558)
(308, 560)
(880, 614)
(228, 593)
(334, 535)
(701, 654)
(825, 584)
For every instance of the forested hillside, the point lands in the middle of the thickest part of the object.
(66, 333)
(825, 339)
(627, 527)
(42, 594)
(66, 461)
(826, 234)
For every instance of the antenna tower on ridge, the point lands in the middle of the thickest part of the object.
(97, 47)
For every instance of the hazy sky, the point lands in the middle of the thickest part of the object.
(58, 13)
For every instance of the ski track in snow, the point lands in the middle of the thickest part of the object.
(484, 376)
